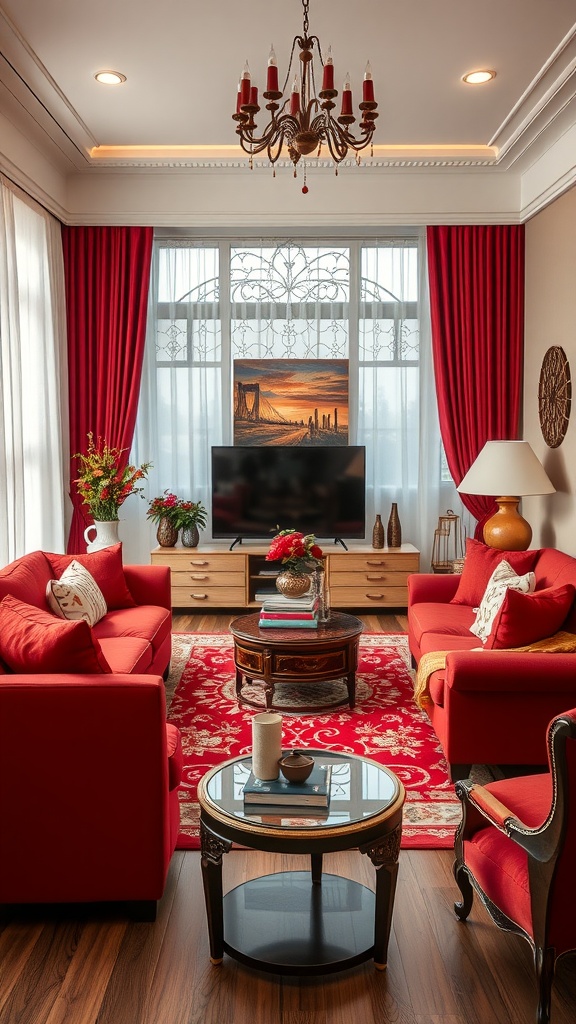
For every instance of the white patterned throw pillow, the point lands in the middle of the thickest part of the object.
(76, 595)
(502, 579)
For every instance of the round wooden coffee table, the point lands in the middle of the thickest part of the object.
(310, 656)
(303, 922)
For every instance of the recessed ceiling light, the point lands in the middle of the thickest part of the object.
(478, 77)
(110, 77)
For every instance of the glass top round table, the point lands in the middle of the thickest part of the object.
(299, 922)
(359, 790)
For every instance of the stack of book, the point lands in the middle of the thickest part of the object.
(290, 612)
(315, 792)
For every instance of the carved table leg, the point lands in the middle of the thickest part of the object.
(384, 856)
(238, 684)
(213, 847)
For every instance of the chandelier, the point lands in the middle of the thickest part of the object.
(304, 120)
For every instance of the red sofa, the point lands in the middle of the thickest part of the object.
(89, 768)
(489, 706)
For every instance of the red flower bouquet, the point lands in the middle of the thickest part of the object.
(297, 551)
(105, 480)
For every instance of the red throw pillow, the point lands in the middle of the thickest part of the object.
(32, 640)
(526, 618)
(106, 568)
(479, 565)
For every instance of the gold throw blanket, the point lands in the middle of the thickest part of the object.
(433, 661)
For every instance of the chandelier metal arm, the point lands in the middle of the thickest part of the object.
(284, 127)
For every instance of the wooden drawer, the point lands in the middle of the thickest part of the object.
(376, 562)
(221, 596)
(199, 578)
(373, 578)
(197, 561)
(369, 596)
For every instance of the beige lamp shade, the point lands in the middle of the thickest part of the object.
(507, 470)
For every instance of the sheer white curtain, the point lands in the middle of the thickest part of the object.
(279, 299)
(181, 405)
(397, 412)
(33, 379)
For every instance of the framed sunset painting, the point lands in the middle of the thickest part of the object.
(291, 401)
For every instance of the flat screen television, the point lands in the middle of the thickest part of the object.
(319, 490)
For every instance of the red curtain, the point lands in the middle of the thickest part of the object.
(477, 312)
(107, 273)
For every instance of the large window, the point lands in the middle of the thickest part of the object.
(212, 303)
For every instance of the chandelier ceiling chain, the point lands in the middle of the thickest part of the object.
(303, 122)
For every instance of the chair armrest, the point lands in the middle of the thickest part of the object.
(491, 807)
(511, 671)
(149, 584)
(432, 587)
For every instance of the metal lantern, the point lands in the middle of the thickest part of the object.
(448, 547)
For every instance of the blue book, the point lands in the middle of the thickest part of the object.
(315, 792)
(288, 623)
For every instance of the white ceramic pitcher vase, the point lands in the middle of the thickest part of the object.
(105, 534)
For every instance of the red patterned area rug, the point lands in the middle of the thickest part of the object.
(385, 725)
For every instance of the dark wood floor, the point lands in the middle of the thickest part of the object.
(96, 967)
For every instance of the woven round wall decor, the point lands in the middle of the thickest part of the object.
(554, 396)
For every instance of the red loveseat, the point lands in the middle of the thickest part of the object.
(492, 706)
(89, 768)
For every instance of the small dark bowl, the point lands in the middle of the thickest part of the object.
(296, 767)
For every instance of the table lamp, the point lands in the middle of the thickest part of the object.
(507, 468)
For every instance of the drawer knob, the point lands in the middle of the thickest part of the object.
(198, 561)
(378, 561)
(198, 576)
(375, 597)
(374, 578)
(199, 597)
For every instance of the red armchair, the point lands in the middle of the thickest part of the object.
(516, 847)
(89, 774)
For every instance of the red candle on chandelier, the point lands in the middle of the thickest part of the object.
(328, 74)
(253, 96)
(272, 74)
(368, 85)
(347, 98)
(245, 85)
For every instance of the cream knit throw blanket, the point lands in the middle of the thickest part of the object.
(434, 660)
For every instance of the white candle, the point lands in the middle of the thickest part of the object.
(266, 745)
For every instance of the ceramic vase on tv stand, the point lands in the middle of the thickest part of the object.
(166, 534)
(394, 531)
(378, 533)
(190, 536)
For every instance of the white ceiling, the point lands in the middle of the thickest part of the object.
(182, 61)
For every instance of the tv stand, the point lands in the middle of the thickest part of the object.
(215, 576)
(338, 540)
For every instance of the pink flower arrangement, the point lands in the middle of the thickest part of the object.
(298, 551)
(164, 507)
(180, 513)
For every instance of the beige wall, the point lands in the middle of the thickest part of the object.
(551, 320)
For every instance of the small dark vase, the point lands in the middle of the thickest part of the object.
(378, 533)
(190, 536)
(166, 534)
(394, 531)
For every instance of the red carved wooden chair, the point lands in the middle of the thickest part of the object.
(516, 847)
